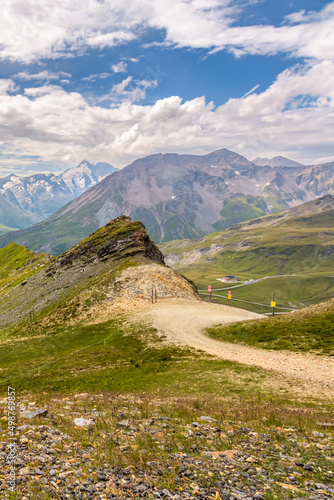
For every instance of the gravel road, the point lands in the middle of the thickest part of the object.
(183, 323)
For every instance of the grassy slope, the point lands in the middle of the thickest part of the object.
(308, 330)
(17, 263)
(42, 361)
(134, 376)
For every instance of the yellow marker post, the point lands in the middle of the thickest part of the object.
(273, 304)
(229, 296)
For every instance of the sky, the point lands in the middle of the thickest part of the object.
(111, 80)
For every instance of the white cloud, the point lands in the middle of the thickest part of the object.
(63, 127)
(35, 29)
(43, 75)
(96, 76)
(126, 92)
(120, 67)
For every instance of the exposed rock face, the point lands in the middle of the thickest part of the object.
(119, 238)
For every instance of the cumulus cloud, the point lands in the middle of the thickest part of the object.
(36, 29)
(120, 67)
(63, 127)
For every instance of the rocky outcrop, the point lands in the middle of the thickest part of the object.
(119, 238)
(87, 279)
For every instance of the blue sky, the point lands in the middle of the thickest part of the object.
(112, 81)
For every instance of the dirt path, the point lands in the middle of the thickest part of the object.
(183, 322)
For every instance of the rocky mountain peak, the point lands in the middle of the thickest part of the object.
(118, 239)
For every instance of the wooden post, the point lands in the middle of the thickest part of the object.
(155, 295)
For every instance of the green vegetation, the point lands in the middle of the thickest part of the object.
(132, 359)
(73, 281)
(115, 229)
(279, 244)
(309, 330)
(17, 263)
(239, 209)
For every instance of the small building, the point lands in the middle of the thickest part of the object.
(231, 279)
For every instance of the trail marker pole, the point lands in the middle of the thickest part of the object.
(273, 304)
(229, 296)
(155, 295)
(210, 291)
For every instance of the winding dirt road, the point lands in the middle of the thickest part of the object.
(183, 322)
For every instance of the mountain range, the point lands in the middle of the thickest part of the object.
(180, 196)
(25, 201)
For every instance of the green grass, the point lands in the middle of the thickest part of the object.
(17, 263)
(132, 359)
(304, 331)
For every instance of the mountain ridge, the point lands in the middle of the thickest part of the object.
(180, 196)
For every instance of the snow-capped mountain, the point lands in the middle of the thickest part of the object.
(27, 200)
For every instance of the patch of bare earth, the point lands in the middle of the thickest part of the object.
(136, 288)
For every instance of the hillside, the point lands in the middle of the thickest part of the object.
(89, 279)
(111, 407)
(180, 196)
(299, 241)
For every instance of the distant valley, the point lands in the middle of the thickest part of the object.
(296, 246)
(181, 196)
